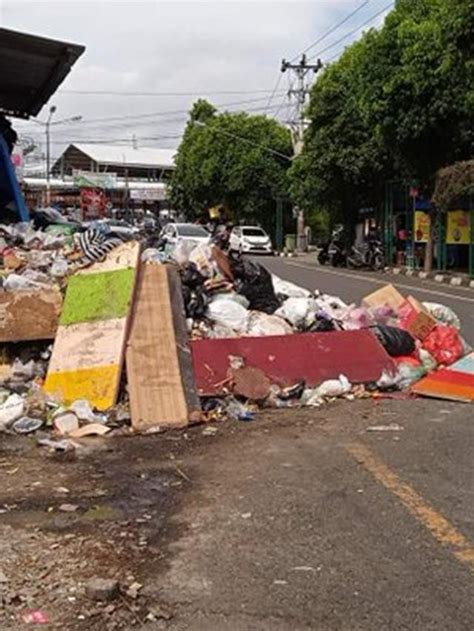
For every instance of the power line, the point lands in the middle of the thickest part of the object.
(123, 93)
(272, 95)
(374, 17)
(157, 113)
(332, 29)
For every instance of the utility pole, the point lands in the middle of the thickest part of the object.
(300, 93)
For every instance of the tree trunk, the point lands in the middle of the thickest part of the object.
(430, 245)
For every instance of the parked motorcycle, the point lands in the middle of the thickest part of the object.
(367, 255)
(333, 251)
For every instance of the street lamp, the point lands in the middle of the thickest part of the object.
(47, 125)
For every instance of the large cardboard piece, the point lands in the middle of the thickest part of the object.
(387, 295)
(29, 315)
(157, 395)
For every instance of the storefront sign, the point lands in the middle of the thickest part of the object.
(93, 203)
(151, 195)
(458, 228)
(96, 180)
(422, 226)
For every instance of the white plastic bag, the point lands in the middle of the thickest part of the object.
(59, 268)
(261, 325)
(443, 314)
(228, 313)
(182, 251)
(12, 409)
(296, 310)
(328, 389)
(285, 288)
(15, 282)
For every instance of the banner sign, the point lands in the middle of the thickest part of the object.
(422, 226)
(459, 228)
(148, 194)
(95, 180)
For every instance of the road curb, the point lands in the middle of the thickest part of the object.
(447, 279)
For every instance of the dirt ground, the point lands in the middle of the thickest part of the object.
(173, 518)
(104, 511)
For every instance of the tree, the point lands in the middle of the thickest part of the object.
(399, 103)
(234, 159)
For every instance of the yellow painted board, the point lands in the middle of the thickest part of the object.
(98, 385)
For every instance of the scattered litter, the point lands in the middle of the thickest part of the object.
(35, 617)
(27, 425)
(68, 508)
(210, 430)
(11, 410)
(392, 427)
(92, 429)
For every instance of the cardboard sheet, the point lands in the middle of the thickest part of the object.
(157, 397)
(29, 315)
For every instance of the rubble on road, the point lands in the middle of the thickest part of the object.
(61, 365)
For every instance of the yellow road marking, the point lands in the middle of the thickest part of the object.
(441, 529)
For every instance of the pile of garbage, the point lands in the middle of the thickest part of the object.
(225, 296)
(40, 254)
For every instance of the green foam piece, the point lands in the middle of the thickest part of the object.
(100, 296)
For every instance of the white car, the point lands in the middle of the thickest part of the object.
(174, 232)
(251, 240)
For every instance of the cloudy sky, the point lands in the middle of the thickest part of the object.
(174, 52)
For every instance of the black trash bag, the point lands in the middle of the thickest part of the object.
(255, 283)
(321, 324)
(396, 342)
(191, 276)
(195, 302)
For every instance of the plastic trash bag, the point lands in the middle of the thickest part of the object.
(285, 289)
(261, 325)
(191, 276)
(396, 342)
(228, 313)
(201, 256)
(357, 318)
(445, 344)
(15, 282)
(296, 310)
(255, 283)
(182, 250)
(238, 298)
(59, 268)
(11, 410)
(328, 389)
(443, 314)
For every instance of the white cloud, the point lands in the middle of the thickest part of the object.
(178, 46)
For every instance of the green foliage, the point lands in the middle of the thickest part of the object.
(453, 184)
(399, 103)
(232, 159)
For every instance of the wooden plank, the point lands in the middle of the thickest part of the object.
(182, 344)
(88, 353)
(29, 315)
(156, 391)
(286, 360)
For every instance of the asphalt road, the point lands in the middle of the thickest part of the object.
(353, 286)
(322, 520)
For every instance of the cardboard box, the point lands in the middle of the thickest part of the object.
(386, 296)
(416, 319)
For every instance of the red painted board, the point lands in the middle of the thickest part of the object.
(287, 359)
(447, 384)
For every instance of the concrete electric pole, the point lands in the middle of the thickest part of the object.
(299, 94)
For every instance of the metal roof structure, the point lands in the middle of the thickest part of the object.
(116, 155)
(31, 70)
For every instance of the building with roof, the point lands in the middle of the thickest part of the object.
(145, 163)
